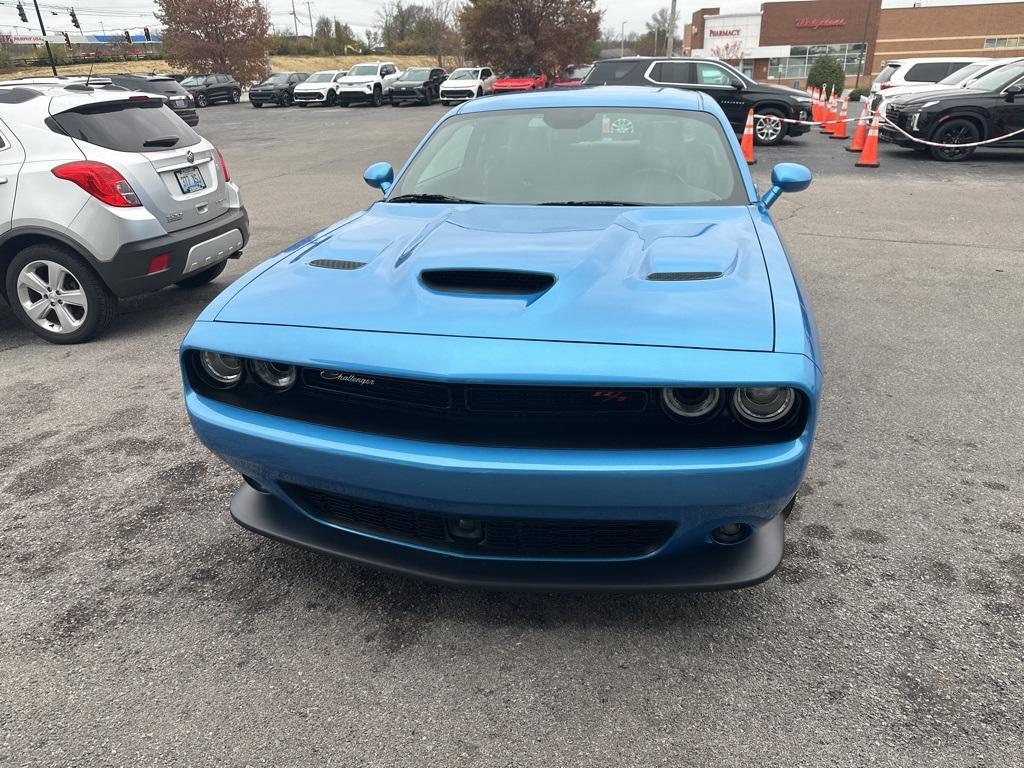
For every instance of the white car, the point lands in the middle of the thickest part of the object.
(467, 83)
(105, 193)
(319, 88)
(371, 82)
(960, 78)
(900, 72)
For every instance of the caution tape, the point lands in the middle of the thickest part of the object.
(805, 122)
(886, 121)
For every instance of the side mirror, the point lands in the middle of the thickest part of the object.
(786, 177)
(380, 176)
(1013, 91)
(736, 83)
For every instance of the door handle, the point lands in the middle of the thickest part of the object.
(3, 179)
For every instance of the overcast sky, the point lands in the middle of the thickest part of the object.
(116, 15)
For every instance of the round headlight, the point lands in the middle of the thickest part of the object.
(275, 376)
(222, 370)
(763, 406)
(691, 402)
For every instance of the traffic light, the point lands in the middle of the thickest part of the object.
(74, 19)
(145, 31)
(127, 36)
(67, 40)
(21, 12)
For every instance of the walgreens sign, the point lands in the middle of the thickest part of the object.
(819, 23)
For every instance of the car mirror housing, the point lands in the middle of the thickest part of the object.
(786, 177)
(380, 176)
(736, 83)
(1013, 91)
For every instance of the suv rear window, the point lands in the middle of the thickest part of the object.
(137, 126)
(886, 74)
(165, 87)
(608, 72)
(930, 72)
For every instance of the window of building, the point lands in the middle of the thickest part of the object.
(1004, 42)
(801, 57)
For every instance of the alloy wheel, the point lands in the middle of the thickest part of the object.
(52, 297)
(768, 129)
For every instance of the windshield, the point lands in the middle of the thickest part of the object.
(576, 73)
(520, 72)
(998, 79)
(193, 81)
(321, 77)
(364, 70)
(578, 155)
(465, 74)
(279, 79)
(415, 74)
(961, 74)
(886, 74)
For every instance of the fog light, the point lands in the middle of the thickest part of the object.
(465, 529)
(274, 376)
(731, 533)
(223, 371)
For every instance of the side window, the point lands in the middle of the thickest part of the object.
(678, 72)
(388, 70)
(449, 157)
(709, 74)
(485, 74)
(930, 72)
(954, 66)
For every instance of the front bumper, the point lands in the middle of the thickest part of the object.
(201, 247)
(266, 97)
(417, 94)
(695, 490)
(309, 97)
(457, 94)
(355, 93)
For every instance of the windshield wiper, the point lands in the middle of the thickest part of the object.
(161, 141)
(590, 202)
(424, 198)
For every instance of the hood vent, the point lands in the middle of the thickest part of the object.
(682, 276)
(336, 264)
(496, 282)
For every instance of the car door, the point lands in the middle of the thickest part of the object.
(388, 74)
(717, 82)
(436, 78)
(1008, 113)
(12, 157)
(337, 80)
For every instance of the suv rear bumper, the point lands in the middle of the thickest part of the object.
(127, 274)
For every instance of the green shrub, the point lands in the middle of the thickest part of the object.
(827, 72)
(856, 93)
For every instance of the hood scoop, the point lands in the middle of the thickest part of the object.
(680, 276)
(492, 282)
(336, 264)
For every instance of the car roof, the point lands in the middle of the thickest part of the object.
(53, 99)
(598, 96)
(932, 59)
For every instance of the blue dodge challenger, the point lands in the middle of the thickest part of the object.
(566, 350)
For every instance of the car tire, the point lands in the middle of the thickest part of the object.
(331, 100)
(255, 104)
(202, 100)
(769, 133)
(378, 96)
(85, 321)
(236, 96)
(202, 278)
(955, 131)
(285, 100)
(479, 92)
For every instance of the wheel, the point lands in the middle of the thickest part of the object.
(236, 96)
(55, 294)
(285, 100)
(479, 92)
(769, 133)
(256, 104)
(426, 97)
(955, 131)
(332, 99)
(202, 278)
(202, 100)
(378, 96)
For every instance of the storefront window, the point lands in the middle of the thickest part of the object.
(801, 57)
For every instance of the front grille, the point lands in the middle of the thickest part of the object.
(510, 90)
(498, 537)
(300, 96)
(454, 94)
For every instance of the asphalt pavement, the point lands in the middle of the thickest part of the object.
(140, 627)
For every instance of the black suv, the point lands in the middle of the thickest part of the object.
(991, 106)
(208, 89)
(178, 98)
(420, 85)
(735, 92)
(276, 89)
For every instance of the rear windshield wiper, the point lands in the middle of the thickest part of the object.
(431, 199)
(590, 202)
(161, 141)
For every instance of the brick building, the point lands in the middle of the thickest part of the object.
(782, 40)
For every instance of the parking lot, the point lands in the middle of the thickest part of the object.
(141, 626)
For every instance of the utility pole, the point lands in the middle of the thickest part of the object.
(622, 47)
(309, 9)
(671, 30)
(295, 18)
(655, 42)
(42, 29)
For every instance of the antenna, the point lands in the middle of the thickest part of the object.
(91, 65)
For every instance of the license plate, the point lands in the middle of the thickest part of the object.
(190, 180)
(179, 102)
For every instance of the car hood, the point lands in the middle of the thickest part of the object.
(599, 259)
(516, 82)
(918, 97)
(461, 83)
(409, 83)
(313, 86)
(794, 92)
(356, 80)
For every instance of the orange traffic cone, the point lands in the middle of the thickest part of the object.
(747, 144)
(860, 135)
(869, 155)
(840, 127)
(815, 111)
(830, 115)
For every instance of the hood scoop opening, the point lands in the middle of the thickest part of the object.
(493, 282)
(683, 276)
(336, 264)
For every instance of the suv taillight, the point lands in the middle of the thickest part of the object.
(223, 165)
(101, 181)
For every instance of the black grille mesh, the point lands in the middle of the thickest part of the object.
(486, 281)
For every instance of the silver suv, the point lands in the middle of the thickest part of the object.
(104, 194)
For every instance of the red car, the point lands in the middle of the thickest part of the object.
(573, 76)
(520, 79)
